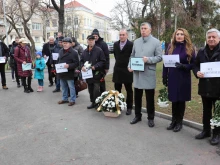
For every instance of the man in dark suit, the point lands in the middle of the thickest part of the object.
(122, 52)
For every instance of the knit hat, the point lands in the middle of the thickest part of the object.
(67, 39)
(23, 40)
(60, 38)
(39, 53)
(95, 32)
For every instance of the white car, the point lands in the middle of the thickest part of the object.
(83, 46)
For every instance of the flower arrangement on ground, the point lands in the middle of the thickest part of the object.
(163, 98)
(112, 102)
(215, 121)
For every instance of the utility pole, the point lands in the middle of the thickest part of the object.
(6, 27)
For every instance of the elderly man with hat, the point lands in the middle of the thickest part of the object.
(4, 52)
(100, 43)
(95, 56)
(22, 55)
(69, 58)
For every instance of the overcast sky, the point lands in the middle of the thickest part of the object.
(101, 6)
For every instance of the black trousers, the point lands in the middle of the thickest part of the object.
(16, 74)
(138, 93)
(26, 81)
(178, 110)
(2, 70)
(208, 104)
(128, 88)
(50, 74)
(94, 91)
(102, 87)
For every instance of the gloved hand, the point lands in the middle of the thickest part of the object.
(165, 81)
(38, 69)
(180, 66)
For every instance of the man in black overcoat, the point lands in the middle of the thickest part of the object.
(122, 52)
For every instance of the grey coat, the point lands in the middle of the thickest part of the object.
(151, 48)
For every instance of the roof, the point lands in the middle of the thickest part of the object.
(101, 15)
(75, 4)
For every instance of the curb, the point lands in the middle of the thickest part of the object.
(188, 123)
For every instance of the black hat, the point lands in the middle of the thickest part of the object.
(95, 32)
(74, 39)
(90, 37)
(60, 38)
(67, 39)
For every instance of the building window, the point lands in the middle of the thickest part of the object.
(47, 22)
(132, 36)
(68, 21)
(54, 22)
(85, 21)
(76, 21)
(55, 35)
(37, 39)
(48, 35)
(36, 26)
(20, 30)
(82, 36)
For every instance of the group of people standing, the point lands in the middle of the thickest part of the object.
(147, 47)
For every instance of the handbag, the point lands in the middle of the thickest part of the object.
(80, 85)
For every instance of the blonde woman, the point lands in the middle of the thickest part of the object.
(178, 79)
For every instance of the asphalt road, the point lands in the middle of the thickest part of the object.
(35, 130)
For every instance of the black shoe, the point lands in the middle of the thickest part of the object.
(135, 120)
(178, 127)
(151, 123)
(56, 90)
(128, 111)
(215, 139)
(26, 91)
(30, 89)
(93, 105)
(50, 85)
(18, 85)
(172, 125)
(203, 135)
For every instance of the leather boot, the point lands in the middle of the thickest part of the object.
(93, 105)
(26, 90)
(215, 137)
(172, 125)
(203, 134)
(178, 127)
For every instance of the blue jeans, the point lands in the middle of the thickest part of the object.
(13, 73)
(57, 83)
(40, 82)
(65, 84)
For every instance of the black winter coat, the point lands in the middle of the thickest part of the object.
(46, 51)
(208, 87)
(100, 43)
(95, 57)
(121, 73)
(71, 58)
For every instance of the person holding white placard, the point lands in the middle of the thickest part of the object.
(95, 56)
(22, 55)
(4, 53)
(209, 88)
(178, 79)
(69, 58)
(149, 49)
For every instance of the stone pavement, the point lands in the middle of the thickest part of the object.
(35, 130)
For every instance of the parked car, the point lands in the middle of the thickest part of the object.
(83, 46)
(110, 47)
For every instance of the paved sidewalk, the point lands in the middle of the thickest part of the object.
(35, 130)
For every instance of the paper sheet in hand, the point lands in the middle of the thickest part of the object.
(55, 56)
(60, 68)
(210, 69)
(26, 66)
(46, 59)
(170, 60)
(2, 59)
(137, 63)
(87, 74)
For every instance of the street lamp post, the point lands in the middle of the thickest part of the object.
(6, 28)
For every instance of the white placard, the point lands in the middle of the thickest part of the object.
(60, 68)
(46, 59)
(210, 69)
(2, 59)
(55, 56)
(87, 74)
(170, 60)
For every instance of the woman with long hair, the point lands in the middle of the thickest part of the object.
(178, 79)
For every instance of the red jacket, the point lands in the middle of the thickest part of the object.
(22, 54)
